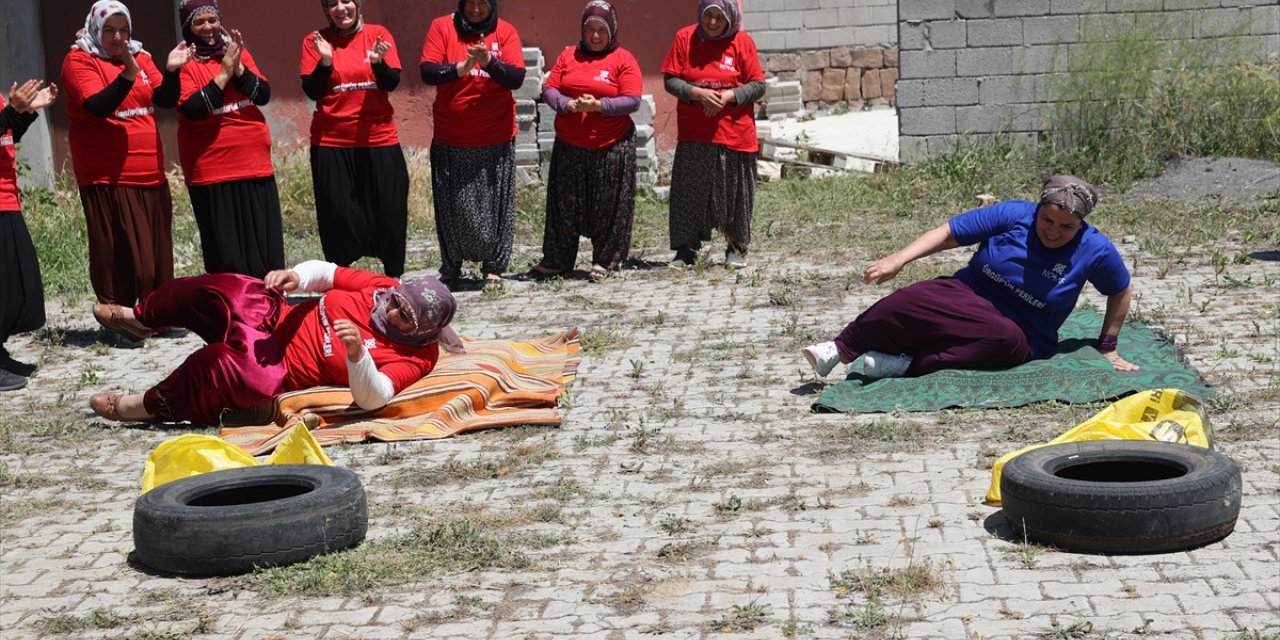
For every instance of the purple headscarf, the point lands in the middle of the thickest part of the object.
(603, 13)
(188, 11)
(426, 299)
(731, 14)
(466, 28)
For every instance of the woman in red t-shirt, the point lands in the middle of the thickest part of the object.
(361, 181)
(366, 331)
(113, 88)
(225, 148)
(474, 59)
(591, 191)
(21, 290)
(714, 70)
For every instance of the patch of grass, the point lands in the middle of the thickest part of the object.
(1247, 634)
(447, 547)
(520, 458)
(68, 624)
(601, 339)
(1073, 631)
(673, 525)
(744, 617)
(909, 582)
(564, 490)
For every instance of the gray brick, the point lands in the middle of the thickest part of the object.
(770, 40)
(1043, 59)
(819, 19)
(839, 36)
(1051, 30)
(1178, 5)
(999, 90)
(974, 9)
(926, 9)
(1222, 22)
(912, 35)
(1180, 25)
(1004, 8)
(786, 19)
(886, 15)
(1119, 6)
(803, 39)
(913, 148)
(928, 64)
(950, 34)
(1077, 6)
(885, 34)
(927, 120)
(1095, 27)
(985, 62)
(939, 145)
(995, 33)
(1266, 21)
(949, 92)
(911, 93)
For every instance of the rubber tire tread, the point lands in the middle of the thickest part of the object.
(1154, 516)
(174, 536)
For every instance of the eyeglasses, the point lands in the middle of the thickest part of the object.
(406, 310)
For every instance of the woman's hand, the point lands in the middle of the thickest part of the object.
(237, 40)
(231, 62)
(130, 72)
(22, 96)
(44, 97)
(882, 270)
(380, 49)
(478, 54)
(1118, 363)
(285, 280)
(349, 334)
(584, 104)
(712, 101)
(323, 48)
(179, 57)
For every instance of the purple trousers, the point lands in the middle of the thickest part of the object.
(241, 365)
(941, 324)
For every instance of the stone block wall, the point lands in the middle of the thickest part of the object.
(839, 76)
(984, 66)
(805, 25)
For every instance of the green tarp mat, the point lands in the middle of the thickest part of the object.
(1076, 372)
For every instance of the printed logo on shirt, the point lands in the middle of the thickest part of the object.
(1057, 273)
(6, 140)
(354, 86)
(727, 64)
(225, 109)
(135, 112)
(603, 77)
(1008, 284)
(143, 74)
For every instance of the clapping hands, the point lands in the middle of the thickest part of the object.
(32, 95)
(380, 49)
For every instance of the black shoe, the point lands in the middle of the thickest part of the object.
(7, 363)
(685, 258)
(173, 332)
(122, 340)
(11, 381)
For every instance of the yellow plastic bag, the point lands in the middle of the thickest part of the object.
(193, 454)
(1169, 415)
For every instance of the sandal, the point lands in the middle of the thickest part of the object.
(598, 273)
(111, 317)
(539, 273)
(106, 405)
(492, 284)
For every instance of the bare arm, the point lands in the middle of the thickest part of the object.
(1112, 321)
(932, 241)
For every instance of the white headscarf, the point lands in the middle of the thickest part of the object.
(89, 39)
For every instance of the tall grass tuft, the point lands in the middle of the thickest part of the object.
(1132, 99)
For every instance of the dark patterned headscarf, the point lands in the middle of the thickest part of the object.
(481, 29)
(1070, 193)
(324, 5)
(188, 11)
(425, 302)
(600, 12)
(731, 15)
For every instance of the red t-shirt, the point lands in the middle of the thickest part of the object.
(717, 65)
(610, 76)
(354, 112)
(302, 332)
(8, 170)
(123, 148)
(469, 112)
(233, 142)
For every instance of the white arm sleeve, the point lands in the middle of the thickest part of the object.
(315, 275)
(371, 388)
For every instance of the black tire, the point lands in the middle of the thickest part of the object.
(230, 522)
(1121, 496)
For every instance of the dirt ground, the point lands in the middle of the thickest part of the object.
(690, 492)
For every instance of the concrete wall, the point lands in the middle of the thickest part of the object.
(982, 66)
(22, 59)
(790, 25)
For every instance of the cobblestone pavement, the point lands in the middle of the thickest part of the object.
(709, 500)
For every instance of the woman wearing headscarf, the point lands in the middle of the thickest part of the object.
(1005, 307)
(21, 290)
(366, 331)
(225, 147)
(714, 71)
(113, 88)
(591, 190)
(475, 60)
(361, 181)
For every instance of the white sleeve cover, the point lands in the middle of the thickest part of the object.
(315, 275)
(370, 388)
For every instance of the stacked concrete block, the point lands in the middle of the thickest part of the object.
(526, 133)
(782, 98)
(646, 145)
(534, 63)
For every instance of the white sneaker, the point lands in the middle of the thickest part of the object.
(823, 357)
(882, 365)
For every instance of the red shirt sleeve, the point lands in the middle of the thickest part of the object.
(557, 69)
(310, 57)
(82, 79)
(630, 80)
(436, 45)
(677, 56)
(348, 279)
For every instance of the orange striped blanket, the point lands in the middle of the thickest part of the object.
(497, 383)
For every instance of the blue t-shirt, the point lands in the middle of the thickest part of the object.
(1034, 286)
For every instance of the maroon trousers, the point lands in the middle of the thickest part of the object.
(241, 365)
(941, 324)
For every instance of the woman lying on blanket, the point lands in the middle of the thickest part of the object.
(1005, 307)
(370, 332)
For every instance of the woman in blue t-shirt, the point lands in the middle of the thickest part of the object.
(1001, 310)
